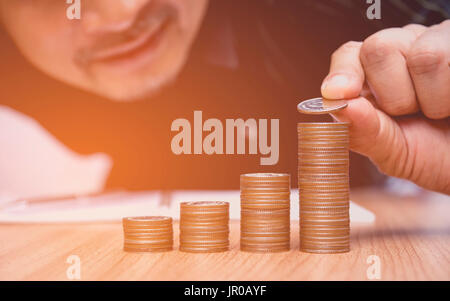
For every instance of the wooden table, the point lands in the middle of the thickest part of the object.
(411, 237)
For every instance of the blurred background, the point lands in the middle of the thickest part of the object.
(249, 59)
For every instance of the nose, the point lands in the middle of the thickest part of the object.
(99, 16)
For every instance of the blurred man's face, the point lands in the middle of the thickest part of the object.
(121, 49)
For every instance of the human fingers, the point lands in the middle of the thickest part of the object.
(375, 135)
(428, 62)
(346, 76)
(383, 57)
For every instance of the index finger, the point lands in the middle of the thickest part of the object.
(346, 76)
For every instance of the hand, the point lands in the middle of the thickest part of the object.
(398, 81)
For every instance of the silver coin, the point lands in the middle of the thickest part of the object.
(321, 106)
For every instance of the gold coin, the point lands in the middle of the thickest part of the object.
(147, 234)
(204, 226)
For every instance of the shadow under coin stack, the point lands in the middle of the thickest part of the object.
(204, 227)
(265, 212)
(147, 234)
(323, 181)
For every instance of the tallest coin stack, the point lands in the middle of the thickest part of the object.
(323, 181)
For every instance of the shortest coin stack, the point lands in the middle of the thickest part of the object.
(147, 234)
(204, 227)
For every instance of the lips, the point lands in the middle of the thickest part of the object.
(144, 35)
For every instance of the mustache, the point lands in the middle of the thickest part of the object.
(147, 22)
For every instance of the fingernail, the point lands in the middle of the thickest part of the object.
(334, 86)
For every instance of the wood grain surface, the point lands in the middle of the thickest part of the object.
(411, 237)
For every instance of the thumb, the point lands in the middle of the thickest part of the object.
(375, 135)
(346, 77)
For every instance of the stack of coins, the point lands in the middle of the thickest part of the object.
(147, 234)
(323, 181)
(265, 212)
(204, 227)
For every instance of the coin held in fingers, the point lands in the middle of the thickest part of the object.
(320, 105)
